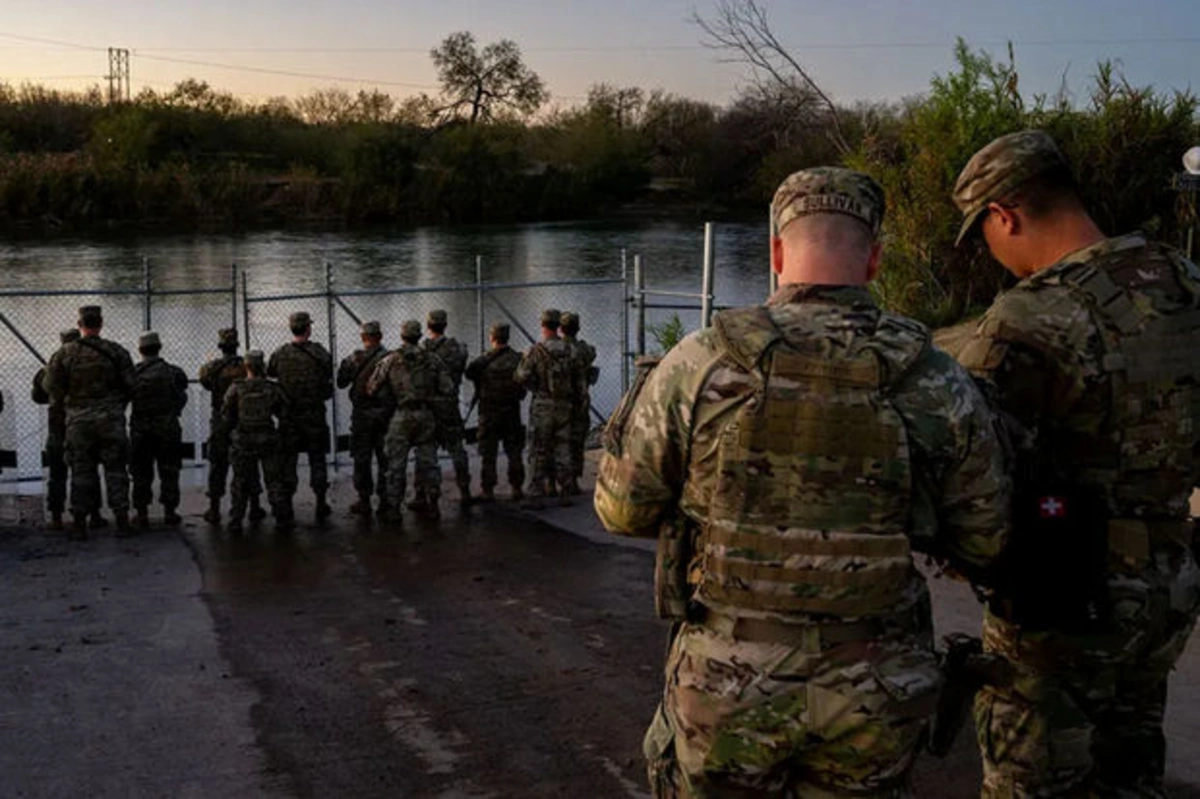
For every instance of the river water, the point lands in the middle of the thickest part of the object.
(289, 262)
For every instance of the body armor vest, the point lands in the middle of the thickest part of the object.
(557, 370)
(257, 400)
(497, 389)
(811, 504)
(219, 375)
(415, 379)
(94, 374)
(154, 393)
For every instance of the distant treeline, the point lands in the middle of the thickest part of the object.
(198, 156)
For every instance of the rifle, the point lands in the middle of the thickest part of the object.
(967, 668)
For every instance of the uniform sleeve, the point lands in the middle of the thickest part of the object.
(128, 374)
(378, 376)
(38, 393)
(475, 368)
(273, 365)
(346, 370)
(55, 381)
(525, 374)
(641, 476)
(181, 389)
(229, 406)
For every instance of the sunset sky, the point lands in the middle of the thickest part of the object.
(868, 50)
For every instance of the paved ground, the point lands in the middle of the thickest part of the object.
(496, 654)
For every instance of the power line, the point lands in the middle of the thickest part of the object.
(55, 42)
(284, 72)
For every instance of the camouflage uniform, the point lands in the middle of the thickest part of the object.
(1095, 359)
(453, 356)
(155, 437)
(368, 420)
(93, 379)
(581, 419)
(790, 459)
(305, 371)
(412, 379)
(216, 376)
(499, 414)
(549, 372)
(250, 410)
(56, 434)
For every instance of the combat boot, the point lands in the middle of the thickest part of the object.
(122, 520)
(79, 527)
(323, 509)
(98, 522)
(388, 512)
(257, 514)
(170, 517)
(537, 495)
(56, 522)
(213, 514)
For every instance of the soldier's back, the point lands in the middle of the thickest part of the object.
(304, 371)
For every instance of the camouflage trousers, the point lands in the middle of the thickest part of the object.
(219, 443)
(249, 452)
(1084, 713)
(93, 442)
(496, 428)
(307, 433)
(155, 445)
(367, 434)
(550, 441)
(450, 439)
(748, 719)
(412, 429)
(56, 481)
(580, 427)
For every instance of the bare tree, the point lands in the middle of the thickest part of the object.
(742, 29)
(478, 84)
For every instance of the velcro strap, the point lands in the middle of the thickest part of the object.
(746, 598)
(837, 545)
(810, 636)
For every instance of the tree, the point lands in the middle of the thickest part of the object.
(479, 84)
(621, 106)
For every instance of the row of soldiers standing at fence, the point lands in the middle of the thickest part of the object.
(407, 399)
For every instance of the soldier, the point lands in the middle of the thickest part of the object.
(93, 379)
(250, 410)
(56, 432)
(791, 458)
(217, 375)
(155, 437)
(499, 399)
(305, 371)
(453, 356)
(413, 379)
(368, 421)
(1096, 355)
(585, 357)
(549, 372)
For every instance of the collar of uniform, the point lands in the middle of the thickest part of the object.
(813, 292)
(1130, 241)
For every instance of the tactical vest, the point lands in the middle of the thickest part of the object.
(220, 375)
(416, 382)
(497, 389)
(154, 393)
(558, 371)
(365, 364)
(811, 503)
(94, 373)
(452, 354)
(257, 399)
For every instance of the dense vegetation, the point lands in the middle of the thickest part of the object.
(492, 152)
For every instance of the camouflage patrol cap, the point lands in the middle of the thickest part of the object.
(299, 319)
(227, 337)
(410, 329)
(569, 321)
(501, 331)
(828, 190)
(256, 360)
(995, 171)
(149, 339)
(551, 317)
(69, 335)
(371, 329)
(91, 316)
(437, 317)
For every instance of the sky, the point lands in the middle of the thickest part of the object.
(868, 50)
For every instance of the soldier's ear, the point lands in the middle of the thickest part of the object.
(777, 255)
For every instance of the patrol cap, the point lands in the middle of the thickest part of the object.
(149, 339)
(569, 321)
(300, 319)
(437, 317)
(551, 317)
(69, 335)
(828, 190)
(371, 329)
(90, 316)
(410, 329)
(995, 171)
(256, 360)
(501, 331)
(227, 337)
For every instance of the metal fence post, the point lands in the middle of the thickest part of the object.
(233, 272)
(639, 288)
(773, 279)
(626, 355)
(332, 321)
(706, 290)
(146, 317)
(479, 302)
(245, 310)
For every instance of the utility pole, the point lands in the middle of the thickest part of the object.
(118, 75)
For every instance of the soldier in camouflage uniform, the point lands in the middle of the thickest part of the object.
(368, 420)
(93, 379)
(155, 437)
(790, 459)
(305, 371)
(250, 411)
(216, 376)
(453, 356)
(56, 433)
(1095, 355)
(412, 379)
(499, 399)
(585, 357)
(549, 372)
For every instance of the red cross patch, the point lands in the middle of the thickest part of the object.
(1052, 507)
